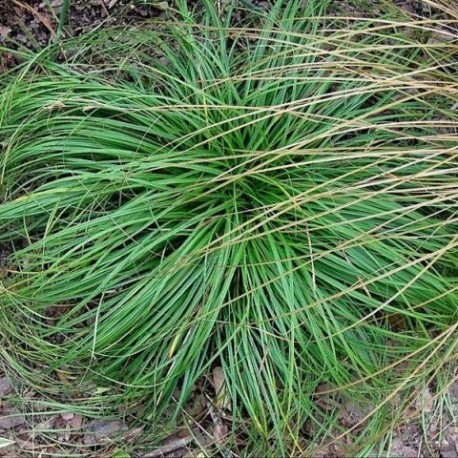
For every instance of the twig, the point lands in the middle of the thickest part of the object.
(37, 15)
(112, 3)
(170, 447)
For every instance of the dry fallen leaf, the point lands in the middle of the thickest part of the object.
(424, 402)
(11, 420)
(222, 400)
(5, 385)
(4, 31)
(72, 423)
(400, 450)
(220, 433)
(100, 430)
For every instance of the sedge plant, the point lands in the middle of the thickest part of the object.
(276, 199)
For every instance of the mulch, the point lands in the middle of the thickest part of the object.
(33, 24)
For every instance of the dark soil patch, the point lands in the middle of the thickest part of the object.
(33, 24)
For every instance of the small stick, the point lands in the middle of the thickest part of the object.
(167, 448)
(37, 15)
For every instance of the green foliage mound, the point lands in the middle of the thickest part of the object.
(279, 201)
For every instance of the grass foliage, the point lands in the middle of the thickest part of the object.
(278, 200)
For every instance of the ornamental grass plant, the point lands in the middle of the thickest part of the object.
(276, 198)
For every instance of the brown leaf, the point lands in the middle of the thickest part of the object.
(397, 322)
(424, 402)
(4, 31)
(220, 433)
(449, 445)
(47, 424)
(11, 421)
(400, 450)
(5, 385)
(99, 430)
(222, 400)
(72, 421)
(453, 389)
(408, 8)
(27, 445)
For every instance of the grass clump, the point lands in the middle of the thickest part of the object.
(279, 201)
